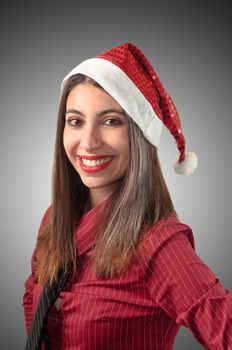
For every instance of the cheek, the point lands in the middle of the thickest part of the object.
(69, 142)
(125, 153)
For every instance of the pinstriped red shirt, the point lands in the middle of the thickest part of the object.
(167, 288)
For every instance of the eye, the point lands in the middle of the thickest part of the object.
(74, 122)
(112, 121)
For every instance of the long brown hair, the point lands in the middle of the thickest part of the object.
(124, 222)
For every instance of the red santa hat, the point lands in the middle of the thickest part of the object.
(127, 75)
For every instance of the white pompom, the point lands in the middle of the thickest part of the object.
(187, 166)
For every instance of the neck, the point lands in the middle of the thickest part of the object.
(96, 196)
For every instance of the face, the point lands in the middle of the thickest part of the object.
(96, 137)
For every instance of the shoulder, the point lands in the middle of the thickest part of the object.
(163, 231)
(44, 219)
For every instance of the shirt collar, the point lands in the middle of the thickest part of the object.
(88, 226)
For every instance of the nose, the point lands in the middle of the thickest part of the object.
(90, 138)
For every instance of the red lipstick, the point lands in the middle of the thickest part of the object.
(85, 156)
(95, 168)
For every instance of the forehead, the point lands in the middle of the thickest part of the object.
(86, 94)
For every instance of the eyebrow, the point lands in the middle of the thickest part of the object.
(105, 111)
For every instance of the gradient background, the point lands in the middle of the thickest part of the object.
(189, 45)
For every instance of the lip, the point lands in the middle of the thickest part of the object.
(94, 169)
(94, 157)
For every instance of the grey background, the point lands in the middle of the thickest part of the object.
(188, 44)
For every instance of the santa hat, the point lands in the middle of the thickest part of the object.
(127, 75)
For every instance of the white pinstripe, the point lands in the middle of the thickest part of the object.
(129, 301)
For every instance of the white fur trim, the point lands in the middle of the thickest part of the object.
(187, 166)
(117, 83)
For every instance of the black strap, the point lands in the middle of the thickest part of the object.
(38, 330)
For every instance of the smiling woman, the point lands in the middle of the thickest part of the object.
(114, 267)
(96, 139)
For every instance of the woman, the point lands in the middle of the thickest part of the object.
(132, 276)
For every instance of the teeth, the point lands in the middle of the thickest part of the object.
(91, 163)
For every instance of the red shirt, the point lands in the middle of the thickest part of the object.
(143, 308)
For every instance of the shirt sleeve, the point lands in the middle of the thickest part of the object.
(28, 299)
(29, 285)
(189, 292)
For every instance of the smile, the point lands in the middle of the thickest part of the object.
(94, 163)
